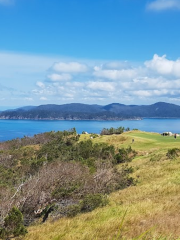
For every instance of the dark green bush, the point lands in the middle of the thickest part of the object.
(37, 164)
(125, 155)
(88, 204)
(110, 131)
(13, 225)
(92, 201)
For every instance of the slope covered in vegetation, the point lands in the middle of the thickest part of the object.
(82, 187)
(152, 204)
(58, 174)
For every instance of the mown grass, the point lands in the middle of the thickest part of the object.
(152, 206)
(142, 140)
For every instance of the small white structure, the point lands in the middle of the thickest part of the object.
(167, 134)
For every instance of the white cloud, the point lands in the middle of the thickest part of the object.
(70, 67)
(160, 5)
(75, 84)
(163, 66)
(142, 93)
(60, 77)
(43, 98)
(22, 71)
(105, 86)
(157, 79)
(29, 99)
(47, 90)
(115, 74)
(151, 93)
(40, 84)
(117, 65)
(69, 95)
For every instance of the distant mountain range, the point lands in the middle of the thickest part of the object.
(79, 111)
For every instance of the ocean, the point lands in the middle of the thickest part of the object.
(10, 129)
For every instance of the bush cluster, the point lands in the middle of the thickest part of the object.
(125, 155)
(57, 168)
(110, 131)
(87, 204)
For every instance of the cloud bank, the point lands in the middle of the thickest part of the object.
(157, 79)
(36, 80)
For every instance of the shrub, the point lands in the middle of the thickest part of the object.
(110, 131)
(88, 204)
(73, 210)
(13, 225)
(60, 169)
(173, 153)
(92, 201)
(94, 135)
(125, 155)
(65, 192)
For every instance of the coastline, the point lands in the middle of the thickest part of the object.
(71, 119)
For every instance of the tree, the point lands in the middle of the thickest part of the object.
(13, 225)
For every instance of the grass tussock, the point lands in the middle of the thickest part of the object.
(152, 205)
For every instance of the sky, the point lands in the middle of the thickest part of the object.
(89, 51)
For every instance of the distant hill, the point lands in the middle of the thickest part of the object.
(160, 109)
(79, 111)
(26, 108)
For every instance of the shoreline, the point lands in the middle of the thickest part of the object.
(72, 119)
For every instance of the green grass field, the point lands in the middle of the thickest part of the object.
(152, 205)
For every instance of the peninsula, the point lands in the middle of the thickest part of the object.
(79, 111)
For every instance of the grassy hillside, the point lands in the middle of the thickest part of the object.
(152, 204)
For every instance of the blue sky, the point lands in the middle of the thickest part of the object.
(89, 51)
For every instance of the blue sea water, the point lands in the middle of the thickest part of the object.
(10, 129)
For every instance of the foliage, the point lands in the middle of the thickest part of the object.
(65, 192)
(56, 167)
(153, 201)
(110, 131)
(86, 150)
(73, 210)
(13, 225)
(173, 153)
(92, 201)
(125, 155)
(94, 135)
(87, 204)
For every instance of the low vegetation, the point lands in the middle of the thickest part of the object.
(70, 186)
(110, 131)
(173, 153)
(59, 175)
(13, 225)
